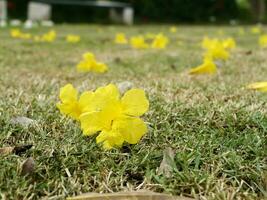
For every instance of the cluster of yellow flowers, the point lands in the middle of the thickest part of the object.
(47, 37)
(90, 64)
(17, 33)
(104, 111)
(256, 30)
(159, 41)
(50, 36)
(215, 50)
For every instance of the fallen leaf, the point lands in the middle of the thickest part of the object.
(167, 164)
(138, 195)
(27, 166)
(6, 150)
(16, 150)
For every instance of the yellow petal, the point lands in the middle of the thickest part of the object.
(92, 122)
(104, 96)
(84, 66)
(110, 139)
(99, 67)
(71, 109)
(260, 86)
(208, 67)
(134, 102)
(68, 93)
(88, 56)
(131, 128)
(85, 101)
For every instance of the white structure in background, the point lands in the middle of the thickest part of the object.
(128, 15)
(28, 24)
(47, 23)
(15, 22)
(39, 11)
(3, 13)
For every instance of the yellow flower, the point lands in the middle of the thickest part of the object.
(160, 42)
(89, 63)
(73, 38)
(217, 52)
(260, 86)
(256, 30)
(120, 38)
(138, 42)
(263, 41)
(116, 119)
(173, 29)
(70, 105)
(208, 67)
(15, 33)
(229, 43)
(208, 43)
(49, 37)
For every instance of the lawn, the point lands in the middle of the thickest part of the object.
(216, 128)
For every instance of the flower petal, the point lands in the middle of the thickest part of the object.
(110, 139)
(130, 128)
(106, 97)
(71, 109)
(92, 122)
(85, 101)
(134, 102)
(68, 93)
(260, 86)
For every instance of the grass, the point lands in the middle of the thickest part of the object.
(217, 128)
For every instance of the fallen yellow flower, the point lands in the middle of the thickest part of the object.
(89, 63)
(116, 118)
(217, 52)
(138, 42)
(263, 41)
(256, 30)
(49, 37)
(173, 29)
(70, 104)
(208, 67)
(160, 42)
(229, 43)
(260, 86)
(120, 38)
(15, 33)
(73, 38)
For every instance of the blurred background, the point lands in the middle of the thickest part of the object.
(153, 11)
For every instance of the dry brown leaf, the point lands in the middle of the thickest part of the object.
(17, 149)
(167, 164)
(27, 166)
(146, 195)
(6, 150)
